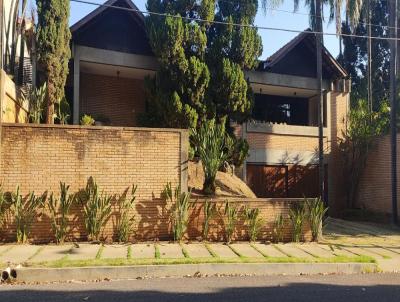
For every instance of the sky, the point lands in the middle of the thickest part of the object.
(272, 40)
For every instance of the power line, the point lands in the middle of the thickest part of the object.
(234, 24)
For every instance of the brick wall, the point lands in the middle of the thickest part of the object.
(99, 94)
(339, 111)
(374, 192)
(38, 157)
(270, 209)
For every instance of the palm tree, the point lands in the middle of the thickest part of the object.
(353, 9)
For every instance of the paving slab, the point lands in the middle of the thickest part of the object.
(337, 251)
(51, 253)
(86, 251)
(316, 250)
(269, 250)
(363, 252)
(292, 250)
(170, 250)
(142, 251)
(246, 250)
(115, 251)
(222, 250)
(4, 248)
(383, 251)
(19, 253)
(197, 250)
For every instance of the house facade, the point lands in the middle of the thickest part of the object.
(112, 57)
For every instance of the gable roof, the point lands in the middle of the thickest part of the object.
(102, 8)
(329, 63)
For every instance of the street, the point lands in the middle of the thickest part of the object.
(366, 287)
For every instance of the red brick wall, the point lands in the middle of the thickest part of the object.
(38, 157)
(269, 211)
(99, 95)
(374, 192)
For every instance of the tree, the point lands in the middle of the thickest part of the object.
(354, 57)
(201, 63)
(53, 37)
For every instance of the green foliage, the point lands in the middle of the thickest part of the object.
(4, 205)
(180, 212)
(201, 64)
(355, 56)
(363, 127)
(279, 228)
(254, 222)
(96, 208)
(59, 211)
(231, 216)
(53, 48)
(239, 151)
(298, 215)
(24, 210)
(209, 211)
(63, 111)
(36, 98)
(210, 142)
(125, 222)
(316, 213)
(87, 120)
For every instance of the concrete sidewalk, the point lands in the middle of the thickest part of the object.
(343, 242)
(34, 255)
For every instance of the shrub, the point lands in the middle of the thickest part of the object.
(297, 215)
(96, 208)
(59, 211)
(180, 212)
(210, 143)
(87, 120)
(239, 151)
(25, 211)
(254, 222)
(4, 205)
(63, 111)
(231, 216)
(36, 98)
(209, 210)
(125, 222)
(316, 210)
(278, 229)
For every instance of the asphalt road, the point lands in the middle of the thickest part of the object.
(369, 287)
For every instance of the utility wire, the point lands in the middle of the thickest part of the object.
(234, 24)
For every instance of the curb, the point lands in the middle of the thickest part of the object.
(183, 270)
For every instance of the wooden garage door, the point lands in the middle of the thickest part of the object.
(272, 181)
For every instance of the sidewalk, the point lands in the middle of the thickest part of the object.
(347, 247)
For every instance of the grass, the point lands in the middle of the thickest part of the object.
(65, 262)
(209, 249)
(184, 251)
(100, 252)
(157, 254)
(129, 252)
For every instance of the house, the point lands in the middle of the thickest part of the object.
(112, 56)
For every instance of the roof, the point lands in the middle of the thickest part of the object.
(309, 38)
(102, 8)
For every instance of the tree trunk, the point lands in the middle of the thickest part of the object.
(393, 105)
(209, 186)
(369, 52)
(50, 112)
(319, 45)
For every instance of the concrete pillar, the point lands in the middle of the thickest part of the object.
(76, 84)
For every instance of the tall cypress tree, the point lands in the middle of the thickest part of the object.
(202, 64)
(53, 37)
